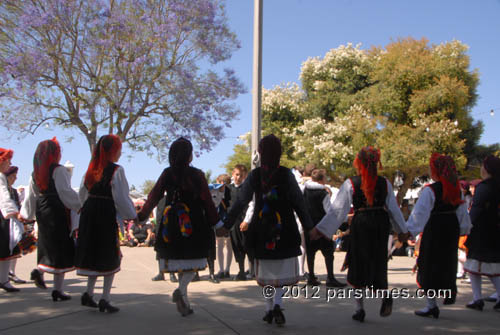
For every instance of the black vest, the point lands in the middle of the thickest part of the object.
(439, 205)
(103, 187)
(379, 197)
(314, 202)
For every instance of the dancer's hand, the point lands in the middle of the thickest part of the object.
(315, 234)
(244, 226)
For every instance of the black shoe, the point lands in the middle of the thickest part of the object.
(313, 281)
(477, 305)
(213, 279)
(56, 295)
(16, 279)
(196, 277)
(332, 282)
(88, 301)
(173, 278)
(386, 308)
(36, 276)
(227, 275)
(241, 276)
(105, 306)
(489, 299)
(9, 289)
(451, 299)
(158, 277)
(279, 317)
(497, 306)
(268, 317)
(181, 305)
(434, 312)
(359, 315)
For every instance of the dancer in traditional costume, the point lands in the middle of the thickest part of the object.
(375, 208)
(50, 199)
(104, 194)
(11, 175)
(185, 228)
(8, 209)
(441, 214)
(272, 237)
(483, 257)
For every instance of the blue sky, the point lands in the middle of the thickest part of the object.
(297, 29)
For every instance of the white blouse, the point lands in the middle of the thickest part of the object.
(7, 205)
(422, 211)
(342, 205)
(120, 191)
(62, 181)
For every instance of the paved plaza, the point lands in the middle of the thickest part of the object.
(227, 308)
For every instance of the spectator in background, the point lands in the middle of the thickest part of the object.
(140, 233)
(224, 242)
(318, 203)
(11, 175)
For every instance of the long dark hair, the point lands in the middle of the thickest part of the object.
(270, 155)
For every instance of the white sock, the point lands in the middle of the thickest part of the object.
(106, 288)
(302, 256)
(4, 273)
(184, 279)
(13, 263)
(91, 280)
(431, 303)
(475, 282)
(229, 249)
(359, 303)
(220, 253)
(58, 282)
(278, 296)
(269, 304)
(496, 283)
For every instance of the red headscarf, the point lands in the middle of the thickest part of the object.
(5, 154)
(47, 153)
(443, 167)
(104, 151)
(366, 163)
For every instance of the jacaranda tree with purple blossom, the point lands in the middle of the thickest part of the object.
(128, 67)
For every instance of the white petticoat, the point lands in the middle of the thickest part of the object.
(277, 272)
(482, 268)
(181, 265)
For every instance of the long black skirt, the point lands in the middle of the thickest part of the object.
(98, 250)
(5, 253)
(56, 248)
(438, 257)
(367, 253)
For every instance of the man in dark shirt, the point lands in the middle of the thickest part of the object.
(140, 234)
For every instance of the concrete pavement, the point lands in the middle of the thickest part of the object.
(227, 308)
